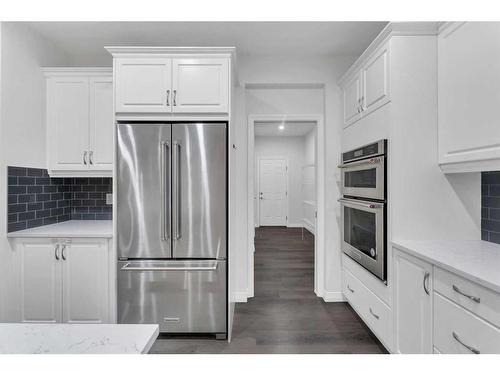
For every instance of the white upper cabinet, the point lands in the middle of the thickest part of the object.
(376, 85)
(152, 81)
(367, 87)
(200, 85)
(412, 305)
(468, 96)
(79, 122)
(143, 85)
(352, 100)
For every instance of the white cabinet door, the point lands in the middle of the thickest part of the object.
(68, 122)
(200, 85)
(143, 85)
(40, 281)
(352, 96)
(469, 93)
(376, 81)
(412, 304)
(85, 281)
(101, 123)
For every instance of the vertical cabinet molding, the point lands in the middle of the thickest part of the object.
(468, 94)
(79, 121)
(412, 304)
(367, 87)
(171, 81)
(63, 280)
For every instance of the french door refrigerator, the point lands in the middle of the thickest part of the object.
(171, 226)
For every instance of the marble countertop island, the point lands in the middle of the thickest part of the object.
(77, 338)
(67, 229)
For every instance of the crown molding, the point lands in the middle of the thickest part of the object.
(152, 50)
(392, 29)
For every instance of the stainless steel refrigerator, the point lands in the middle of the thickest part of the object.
(172, 226)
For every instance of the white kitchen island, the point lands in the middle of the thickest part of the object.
(77, 338)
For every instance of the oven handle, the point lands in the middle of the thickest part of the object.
(373, 160)
(371, 205)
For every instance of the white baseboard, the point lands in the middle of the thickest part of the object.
(241, 297)
(333, 297)
(292, 225)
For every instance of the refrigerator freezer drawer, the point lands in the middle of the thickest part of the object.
(180, 296)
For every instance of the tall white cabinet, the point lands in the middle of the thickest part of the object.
(63, 280)
(79, 120)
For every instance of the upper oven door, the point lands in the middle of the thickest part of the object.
(364, 178)
(363, 234)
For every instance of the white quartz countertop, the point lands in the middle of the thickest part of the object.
(71, 228)
(476, 260)
(77, 338)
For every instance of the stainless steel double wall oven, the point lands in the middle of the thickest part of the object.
(364, 206)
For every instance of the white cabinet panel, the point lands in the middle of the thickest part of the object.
(352, 97)
(143, 85)
(101, 123)
(40, 286)
(68, 119)
(200, 85)
(85, 281)
(376, 84)
(469, 93)
(412, 304)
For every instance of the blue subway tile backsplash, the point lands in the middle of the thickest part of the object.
(36, 199)
(490, 206)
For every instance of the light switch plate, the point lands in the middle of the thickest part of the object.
(109, 198)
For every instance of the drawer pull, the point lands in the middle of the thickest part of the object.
(475, 299)
(375, 315)
(350, 289)
(472, 349)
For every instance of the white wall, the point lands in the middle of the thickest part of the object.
(22, 120)
(276, 69)
(293, 151)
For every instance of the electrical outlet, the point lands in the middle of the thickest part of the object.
(109, 198)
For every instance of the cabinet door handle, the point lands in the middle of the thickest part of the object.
(56, 251)
(425, 284)
(63, 254)
(175, 98)
(375, 315)
(85, 158)
(350, 289)
(168, 98)
(471, 348)
(362, 103)
(91, 157)
(472, 298)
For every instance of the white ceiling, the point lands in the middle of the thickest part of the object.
(250, 38)
(291, 129)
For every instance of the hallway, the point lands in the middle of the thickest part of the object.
(285, 316)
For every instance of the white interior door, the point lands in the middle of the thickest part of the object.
(272, 192)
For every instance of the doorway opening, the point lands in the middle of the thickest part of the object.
(285, 203)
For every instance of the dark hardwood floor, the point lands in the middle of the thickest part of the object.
(285, 316)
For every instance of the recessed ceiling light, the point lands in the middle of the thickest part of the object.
(282, 127)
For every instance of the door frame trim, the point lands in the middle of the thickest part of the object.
(319, 246)
(257, 179)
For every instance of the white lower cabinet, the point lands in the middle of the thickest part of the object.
(412, 304)
(63, 280)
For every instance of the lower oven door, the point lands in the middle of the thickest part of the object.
(363, 234)
(179, 296)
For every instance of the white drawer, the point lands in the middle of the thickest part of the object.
(481, 301)
(372, 310)
(456, 330)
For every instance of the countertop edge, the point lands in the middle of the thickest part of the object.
(59, 235)
(151, 341)
(448, 267)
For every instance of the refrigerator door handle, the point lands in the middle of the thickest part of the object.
(128, 267)
(177, 187)
(166, 167)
